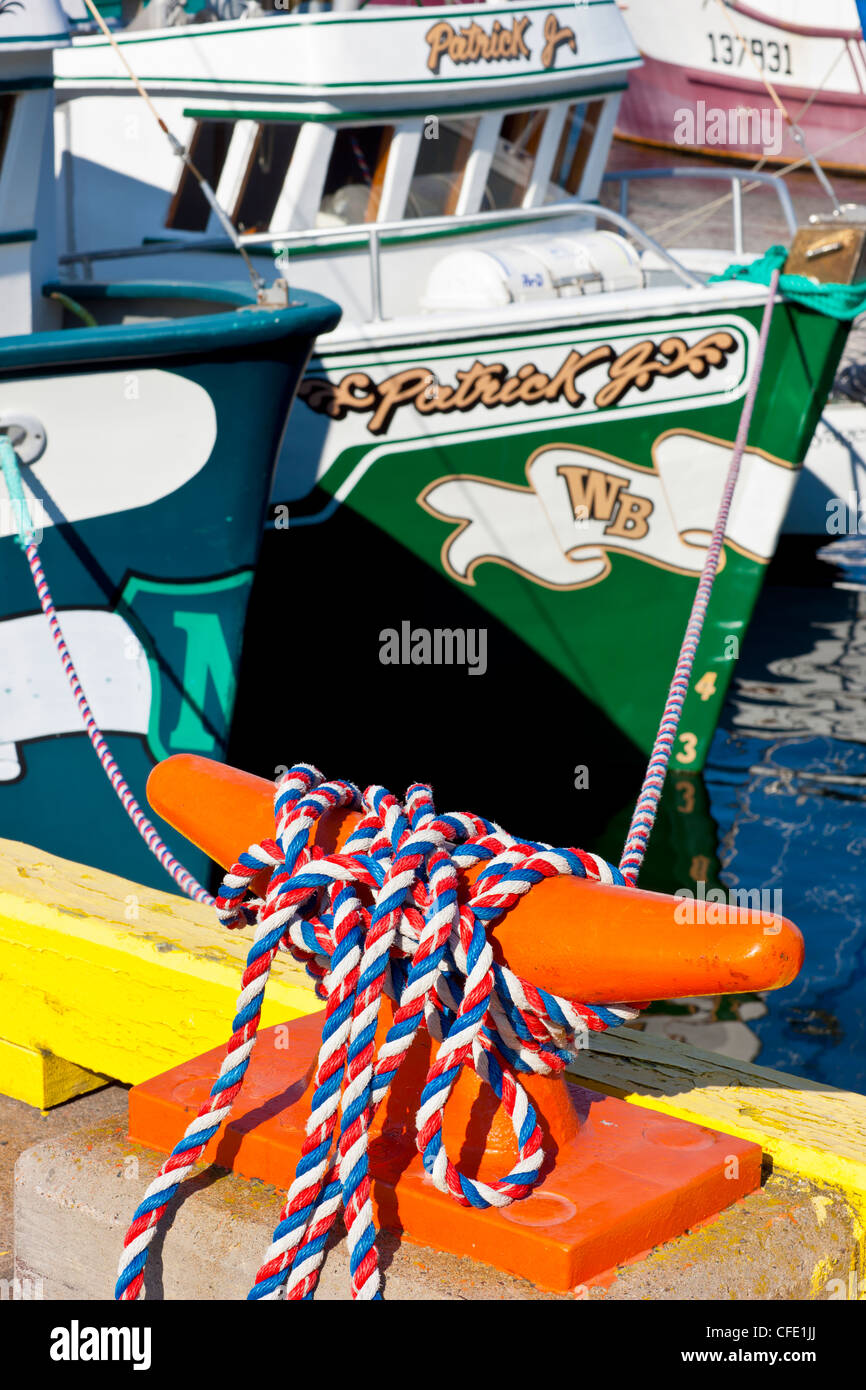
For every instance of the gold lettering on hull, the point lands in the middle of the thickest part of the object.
(555, 35)
(487, 385)
(579, 507)
(473, 44)
(598, 496)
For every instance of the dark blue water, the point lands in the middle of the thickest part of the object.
(786, 782)
(786, 779)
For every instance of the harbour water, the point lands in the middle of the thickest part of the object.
(786, 783)
(786, 779)
(782, 804)
(781, 807)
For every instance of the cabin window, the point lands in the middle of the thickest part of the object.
(513, 159)
(578, 133)
(356, 175)
(441, 164)
(189, 211)
(265, 175)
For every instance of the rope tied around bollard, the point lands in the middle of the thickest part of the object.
(383, 917)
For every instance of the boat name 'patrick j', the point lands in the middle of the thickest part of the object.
(472, 43)
(490, 384)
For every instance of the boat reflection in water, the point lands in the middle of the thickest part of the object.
(787, 788)
(684, 858)
(778, 822)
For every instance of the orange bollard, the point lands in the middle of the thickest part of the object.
(582, 940)
(622, 1179)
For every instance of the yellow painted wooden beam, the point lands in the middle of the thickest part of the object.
(116, 978)
(809, 1128)
(41, 1079)
(126, 982)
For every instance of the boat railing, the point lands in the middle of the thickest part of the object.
(788, 26)
(375, 233)
(851, 39)
(736, 177)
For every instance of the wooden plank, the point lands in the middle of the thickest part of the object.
(126, 982)
(811, 1129)
(41, 1079)
(117, 978)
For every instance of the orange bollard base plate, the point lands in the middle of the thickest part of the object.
(629, 1181)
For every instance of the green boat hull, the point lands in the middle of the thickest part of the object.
(583, 634)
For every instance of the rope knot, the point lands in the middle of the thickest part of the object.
(386, 915)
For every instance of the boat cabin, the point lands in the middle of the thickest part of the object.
(383, 126)
(28, 37)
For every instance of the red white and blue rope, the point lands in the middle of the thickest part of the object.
(428, 952)
(647, 804)
(148, 832)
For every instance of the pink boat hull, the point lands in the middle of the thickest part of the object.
(659, 92)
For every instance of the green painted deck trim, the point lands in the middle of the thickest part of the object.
(35, 40)
(161, 81)
(17, 238)
(376, 117)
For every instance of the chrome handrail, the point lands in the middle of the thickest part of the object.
(736, 178)
(374, 231)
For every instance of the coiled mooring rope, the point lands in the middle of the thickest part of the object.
(146, 829)
(428, 952)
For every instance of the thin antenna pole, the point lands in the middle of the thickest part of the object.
(182, 153)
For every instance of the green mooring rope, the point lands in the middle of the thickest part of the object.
(836, 301)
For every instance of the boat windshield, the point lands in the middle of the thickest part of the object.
(413, 168)
(575, 143)
(352, 190)
(441, 164)
(440, 169)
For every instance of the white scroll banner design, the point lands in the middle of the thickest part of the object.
(581, 505)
